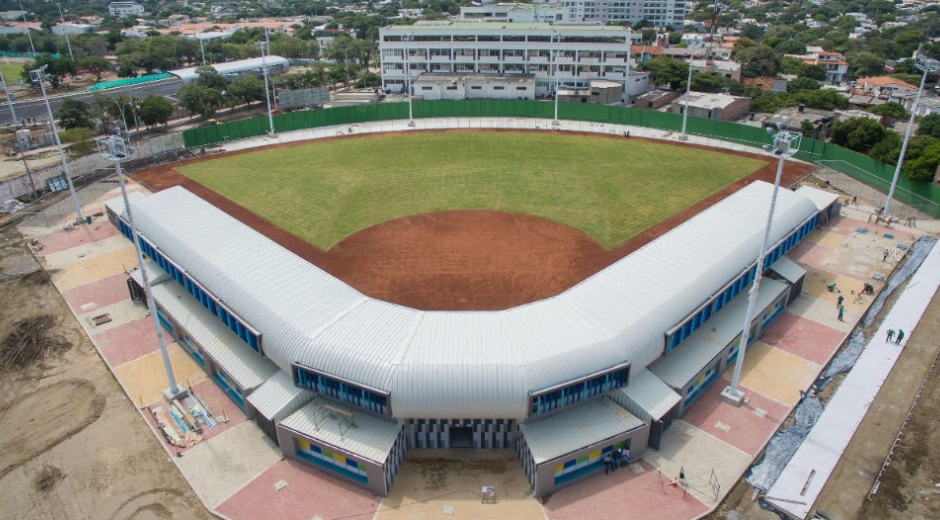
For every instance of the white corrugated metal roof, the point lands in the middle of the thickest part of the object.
(572, 429)
(245, 366)
(278, 397)
(650, 394)
(788, 269)
(820, 198)
(372, 438)
(479, 364)
(682, 364)
(232, 67)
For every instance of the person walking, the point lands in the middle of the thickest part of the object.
(608, 462)
(841, 312)
(890, 335)
(839, 301)
(884, 256)
(900, 336)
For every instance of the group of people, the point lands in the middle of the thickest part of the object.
(616, 458)
(896, 339)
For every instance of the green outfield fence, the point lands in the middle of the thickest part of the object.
(853, 164)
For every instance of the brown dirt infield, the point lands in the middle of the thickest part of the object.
(461, 260)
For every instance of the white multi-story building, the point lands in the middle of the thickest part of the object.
(122, 9)
(660, 13)
(569, 55)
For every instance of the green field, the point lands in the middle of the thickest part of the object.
(608, 188)
(11, 72)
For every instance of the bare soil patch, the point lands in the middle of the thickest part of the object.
(71, 444)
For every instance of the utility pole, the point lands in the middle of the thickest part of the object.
(40, 76)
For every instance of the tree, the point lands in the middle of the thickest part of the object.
(666, 71)
(888, 149)
(760, 61)
(923, 166)
(857, 133)
(807, 128)
(930, 125)
(752, 31)
(155, 109)
(802, 83)
(81, 136)
(73, 113)
(823, 99)
(891, 109)
(95, 64)
(865, 64)
(198, 99)
(245, 89)
(369, 80)
(124, 108)
(209, 77)
(56, 69)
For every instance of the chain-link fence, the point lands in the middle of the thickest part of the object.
(154, 150)
(869, 187)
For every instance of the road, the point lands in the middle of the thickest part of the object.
(36, 108)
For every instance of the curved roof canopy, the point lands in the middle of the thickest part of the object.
(477, 364)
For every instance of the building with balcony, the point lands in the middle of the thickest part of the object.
(835, 65)
(122, 9)
(568, 55)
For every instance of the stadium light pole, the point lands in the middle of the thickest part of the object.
(688, 87)
(786, 144)
(554, 46)
(29, 174)
(116, 149)
(202, 50)
(39, 75)
(65, 32)
(264, 72)
(406, 50)
(928, 66)
(28, 34)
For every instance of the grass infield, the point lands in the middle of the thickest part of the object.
(608, 188)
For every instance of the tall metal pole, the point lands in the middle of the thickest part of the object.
(29, 174)
(785, 145)
(553, 48)
(40, 75)
(202, 50)
(907, 136)
(28, 33)
(688, 88)
(115, 156)
(65, 32)
(264, 70)
(407, 50)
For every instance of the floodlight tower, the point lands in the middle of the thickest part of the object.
(65, 31)
(688, 87)
(928, 66)
(32, 48)
(407, 50)
(786, 144)
(264, 70)
(39, 76)
(554, 45)
(116, 149)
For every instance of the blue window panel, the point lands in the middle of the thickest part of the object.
(332, 467)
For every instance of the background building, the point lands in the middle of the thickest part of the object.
(122, 9)
(570, 56)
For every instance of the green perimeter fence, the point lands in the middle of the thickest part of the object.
(923, 195)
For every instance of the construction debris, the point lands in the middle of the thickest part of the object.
(29, 343)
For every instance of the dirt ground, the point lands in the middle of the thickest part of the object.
(460, 260)
(71, 444)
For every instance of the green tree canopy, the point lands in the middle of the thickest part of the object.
(155, 109)
(930, 125)
(198, 99)
(892, 109)
(73, 113)
(56, 69)
(94, 64)
(244, 89)
(857, 133)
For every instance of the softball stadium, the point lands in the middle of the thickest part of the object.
(378, 289)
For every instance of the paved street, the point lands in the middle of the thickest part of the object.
(37, 109)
